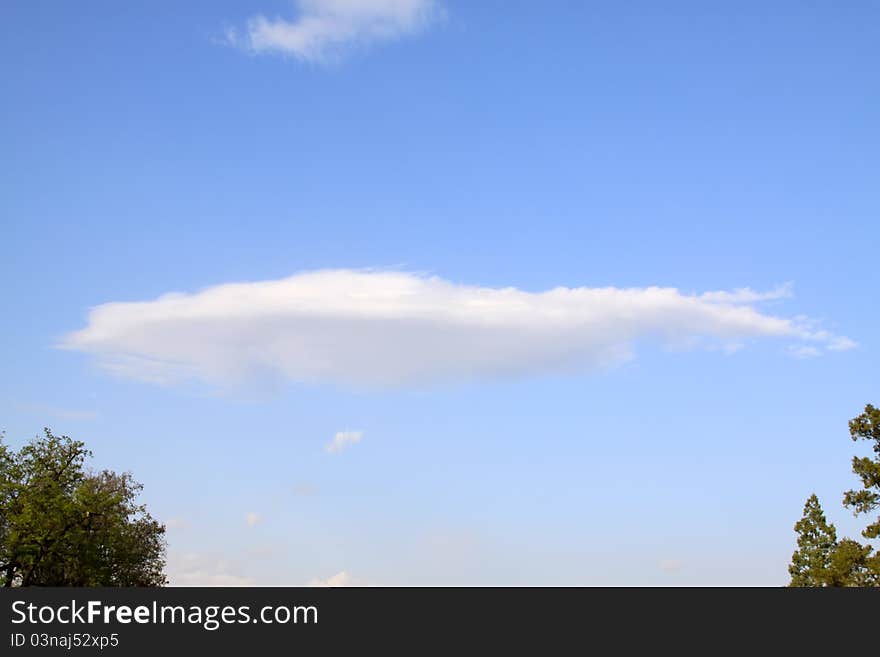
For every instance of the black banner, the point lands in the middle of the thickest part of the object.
(415, 620)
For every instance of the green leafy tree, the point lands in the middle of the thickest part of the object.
(866, 427)
(62, 525)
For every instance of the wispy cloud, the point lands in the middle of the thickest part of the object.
(747, 295)
(194, 569)
(377, 328)
(343, 440)
(839, 343)
(339, 579)
(324, 30)
(804, 351)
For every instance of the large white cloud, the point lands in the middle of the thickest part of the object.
(324, 29)
(380, 328)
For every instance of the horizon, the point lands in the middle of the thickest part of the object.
(441, 293)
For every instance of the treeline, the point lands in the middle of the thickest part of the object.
(62, 524)
(821, 558)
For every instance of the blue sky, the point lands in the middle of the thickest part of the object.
(451, 149)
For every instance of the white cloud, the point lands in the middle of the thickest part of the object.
(380, 328)
(252, 519)
(747, 295)
(339, 579)
(326, 29)
(193, 569)
(804, 351)
(840, 343)
(343, 440)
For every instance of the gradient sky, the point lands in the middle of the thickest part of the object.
(161, 147)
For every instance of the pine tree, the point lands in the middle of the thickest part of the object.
(866, 427)
(817, 541)
(822, 560)
(852, 565)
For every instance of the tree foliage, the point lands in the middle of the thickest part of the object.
(816, 541)
(63, 525)
(866, 427)
(822, 560)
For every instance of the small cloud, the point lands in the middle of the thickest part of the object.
(823, 339)
(324, 30)
(192, 569)
(841, 343)
(339, 579)
(804, 351)
(228, 37)
(252, 519)
(343, 440)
